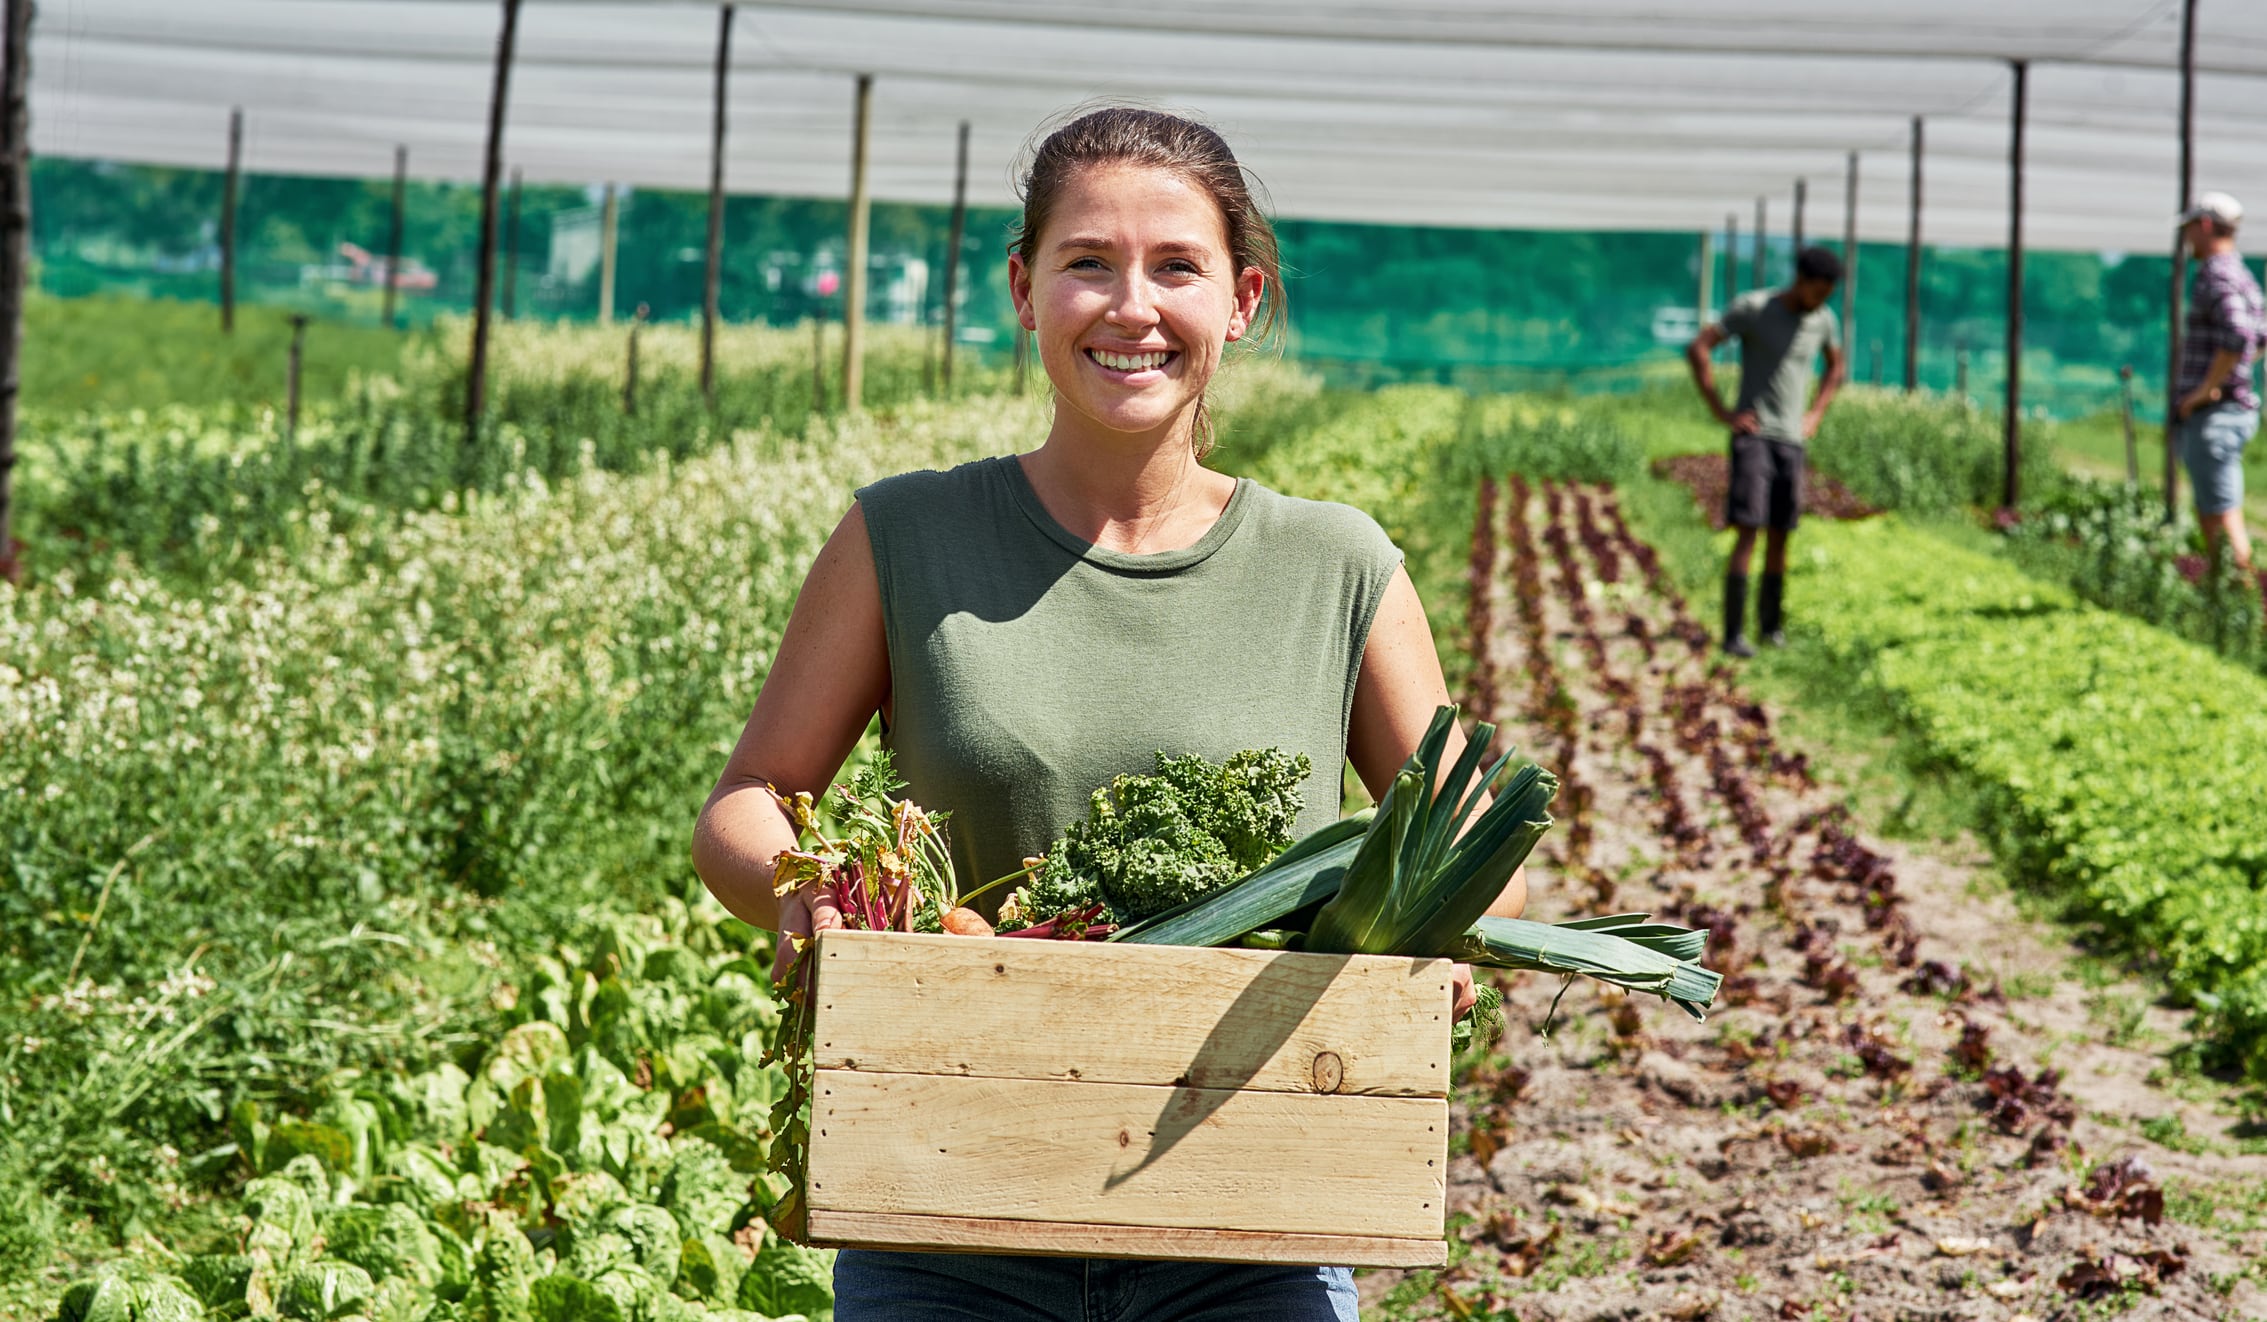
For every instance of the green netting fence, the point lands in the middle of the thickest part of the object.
(1369, 304)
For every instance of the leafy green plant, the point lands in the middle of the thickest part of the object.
(2109, 753)
(2115, 549)
(595, 1161)
(1925, 454)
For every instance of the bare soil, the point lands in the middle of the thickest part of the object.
(1911, 1102)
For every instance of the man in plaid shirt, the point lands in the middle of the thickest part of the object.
(2216, 408)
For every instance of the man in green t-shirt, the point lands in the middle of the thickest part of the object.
(1781, 333)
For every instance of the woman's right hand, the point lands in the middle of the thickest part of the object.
(801, 917)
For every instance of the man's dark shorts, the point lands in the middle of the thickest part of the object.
(1767, 483)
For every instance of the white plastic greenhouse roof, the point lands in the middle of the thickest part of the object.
(1611, 114)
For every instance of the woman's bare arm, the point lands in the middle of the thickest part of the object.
(830, 676)
(1394, 700)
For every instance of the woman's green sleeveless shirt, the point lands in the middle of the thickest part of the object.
(1028, 667)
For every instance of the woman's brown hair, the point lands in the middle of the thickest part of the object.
(1130, 135)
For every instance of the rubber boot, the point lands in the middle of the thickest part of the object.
(1735, 615)
(1768, 617)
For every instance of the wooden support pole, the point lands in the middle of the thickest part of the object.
(1731, 256)
(1913, 272)
(1707, 298)
(2176, 285)
(512, 250)
(476, 374)
(819, 360)
(712, 282)
(228, 220)
(609, 227)
(394, 234)
(15, 229)
(2013, 420)
(291, 376)
(1759, 277)
(2132, 445)
(952, 248)
(630, 372)
(1850, 259)
(1802, 197)
(854, 279)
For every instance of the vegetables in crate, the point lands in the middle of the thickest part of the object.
(1414, 877)
(1411, 879)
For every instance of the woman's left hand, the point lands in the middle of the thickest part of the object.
(1461, 987)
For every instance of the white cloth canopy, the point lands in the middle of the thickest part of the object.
(1608, 114)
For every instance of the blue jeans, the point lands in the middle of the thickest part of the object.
(934, 1287)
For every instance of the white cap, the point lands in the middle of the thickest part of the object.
(2219, 206)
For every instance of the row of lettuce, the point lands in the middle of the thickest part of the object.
(2109, 543)
(600, 1162)
(2116, 762)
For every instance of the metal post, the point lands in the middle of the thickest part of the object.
(1731, 257)
(952, 250)
(15, 226)
(2013, 421)
(291, 376)
(1802, 195)
(228, 220)
(2176, 285)
(609, 225)
(2132, 447)
(1913, 272)
(512, 250)
(394, 233)
(476, 374)
(1707, 276)
(1850, 257)
(712, 282)
(1758, 278)
(854, 279)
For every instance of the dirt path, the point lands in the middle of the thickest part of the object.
(1905, 1107)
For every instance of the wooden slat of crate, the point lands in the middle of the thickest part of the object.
(1099, 1154)
(1010, 1008)
(953, 1234)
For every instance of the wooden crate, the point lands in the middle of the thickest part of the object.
(1020, 1096)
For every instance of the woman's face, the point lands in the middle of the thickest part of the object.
(1131, 296)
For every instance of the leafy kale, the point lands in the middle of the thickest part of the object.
(1151, 842)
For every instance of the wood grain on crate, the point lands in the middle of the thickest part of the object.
(1045, 1150)
(974, 1235)
(1252, 1019)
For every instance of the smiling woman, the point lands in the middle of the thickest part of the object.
(1171, 238)
(1034, 625)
